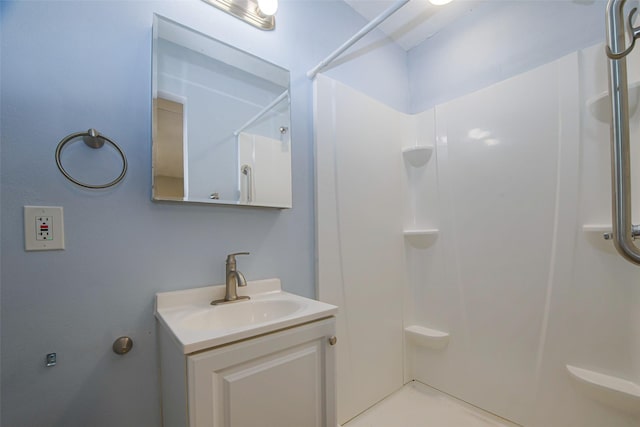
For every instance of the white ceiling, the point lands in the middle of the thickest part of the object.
(416, 21)
(419, 19)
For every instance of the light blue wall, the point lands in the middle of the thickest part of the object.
(70, 65)
(67, 66)
(497, 41)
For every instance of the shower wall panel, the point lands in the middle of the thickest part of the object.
(593, 304)
(519, 275)
(359, 237)
(498, 203)
(522, 165)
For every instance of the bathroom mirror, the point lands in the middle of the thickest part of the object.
(221, 122)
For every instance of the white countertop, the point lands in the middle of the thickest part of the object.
(176, 310)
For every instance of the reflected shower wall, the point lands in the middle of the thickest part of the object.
(264, 156)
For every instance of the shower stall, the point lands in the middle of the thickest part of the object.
(465, 246)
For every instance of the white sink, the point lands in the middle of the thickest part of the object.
(196, 325)
(240, 314)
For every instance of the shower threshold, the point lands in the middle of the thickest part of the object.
(418, 405)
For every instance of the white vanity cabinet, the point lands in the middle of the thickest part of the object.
(267, 361)
(282, 379)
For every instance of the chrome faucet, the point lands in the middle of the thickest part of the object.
(234, 279)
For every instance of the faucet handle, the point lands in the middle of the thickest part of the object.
(232, 257)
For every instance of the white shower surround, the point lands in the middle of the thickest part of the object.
(355, 176)
(519, 168)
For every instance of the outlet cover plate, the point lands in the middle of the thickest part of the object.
(43, 228)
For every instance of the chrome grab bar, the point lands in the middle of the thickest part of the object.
(624, 231)
(248, 172)
(635, 31)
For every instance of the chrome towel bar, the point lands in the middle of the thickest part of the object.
(94, 140)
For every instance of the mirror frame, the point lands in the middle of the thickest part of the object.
(270, 72)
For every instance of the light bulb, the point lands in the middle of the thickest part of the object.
(439, 2)
(268, 7)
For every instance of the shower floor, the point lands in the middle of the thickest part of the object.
(418, 405)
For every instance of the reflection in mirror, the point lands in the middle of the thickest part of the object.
(221, 122)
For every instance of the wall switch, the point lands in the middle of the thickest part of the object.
(43, 228)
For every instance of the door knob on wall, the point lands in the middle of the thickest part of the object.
(122, 345)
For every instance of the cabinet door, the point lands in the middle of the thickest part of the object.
(285, 379)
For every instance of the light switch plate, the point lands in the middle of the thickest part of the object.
(43, 228)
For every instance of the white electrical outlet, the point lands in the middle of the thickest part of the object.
(44, 231)
(43, 228)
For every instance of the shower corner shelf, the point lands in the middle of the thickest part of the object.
(421, 238)
(600, 108)
(427, 337)
(418, 155)
(613, 391)
(595, 235)
(596, 228)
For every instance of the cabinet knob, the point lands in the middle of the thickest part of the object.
(333, 340)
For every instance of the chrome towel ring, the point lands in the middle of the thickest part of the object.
(94, 140)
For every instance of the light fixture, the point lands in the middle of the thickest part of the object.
(439, 2)
(253, 12)
(268, 7)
